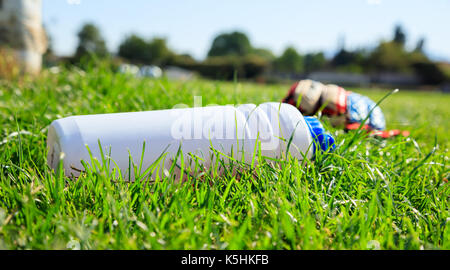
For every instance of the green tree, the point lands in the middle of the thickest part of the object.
(314, 61)
(289, 61)
(399, 35)
(265, 54)
(350, 61)
(138, 50)
(182, 60)
(235, 43)
(420, 45)
(429, 72)
(91, 43)
(389, 56)
(49, 58)
(159, 52)
(135, 49)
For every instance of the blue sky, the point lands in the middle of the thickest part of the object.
(309, 26)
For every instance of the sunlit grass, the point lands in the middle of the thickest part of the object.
(391, 194)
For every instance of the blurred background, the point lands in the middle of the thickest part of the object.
(402, 43)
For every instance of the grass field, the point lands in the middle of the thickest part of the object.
(368, 194)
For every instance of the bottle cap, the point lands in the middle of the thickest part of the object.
(322, 140)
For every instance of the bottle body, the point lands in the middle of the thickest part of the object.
(193, 133)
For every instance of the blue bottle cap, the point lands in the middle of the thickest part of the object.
(321, 139)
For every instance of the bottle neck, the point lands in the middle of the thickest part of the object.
(322, 140)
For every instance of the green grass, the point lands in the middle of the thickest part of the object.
(391, 194)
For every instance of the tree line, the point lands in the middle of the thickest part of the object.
(232, 55)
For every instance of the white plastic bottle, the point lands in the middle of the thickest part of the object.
(232, 131)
